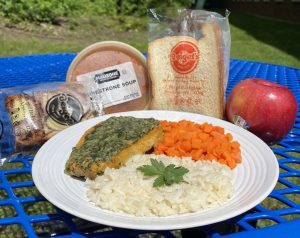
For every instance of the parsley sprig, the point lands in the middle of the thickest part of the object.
(167, 175)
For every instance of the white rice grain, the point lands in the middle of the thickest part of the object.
(208, 184)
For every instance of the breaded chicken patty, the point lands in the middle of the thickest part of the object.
(111, 143)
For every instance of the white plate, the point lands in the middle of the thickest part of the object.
(253, 179)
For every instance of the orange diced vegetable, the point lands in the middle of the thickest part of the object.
(199, 141)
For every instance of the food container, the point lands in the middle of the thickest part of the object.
(117, 72)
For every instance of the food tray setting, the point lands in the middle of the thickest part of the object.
(26, 213)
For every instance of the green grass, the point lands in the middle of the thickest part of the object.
(70, 36)
(264, 40)
(11, 46)
(252, 38)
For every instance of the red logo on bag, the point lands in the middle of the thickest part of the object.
(184, 57)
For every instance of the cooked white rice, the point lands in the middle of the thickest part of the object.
(208, 184)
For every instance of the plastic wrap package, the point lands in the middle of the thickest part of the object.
(188, 60)
(32, 114)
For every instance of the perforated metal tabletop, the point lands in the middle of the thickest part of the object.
(25, 213)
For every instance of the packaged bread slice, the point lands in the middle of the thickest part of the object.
(187, 74)
(64, 106)
(25, 116)
(35, 113)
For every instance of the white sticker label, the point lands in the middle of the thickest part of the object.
(241, 122)
(116, 84)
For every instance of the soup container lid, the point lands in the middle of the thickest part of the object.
(116, 71)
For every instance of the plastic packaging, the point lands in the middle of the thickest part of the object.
(117, 71)
(32, 114)
(188, 60)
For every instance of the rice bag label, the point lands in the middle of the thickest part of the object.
(184, 57)
(115, 85)
(64, 109)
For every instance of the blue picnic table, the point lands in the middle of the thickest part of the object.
(25, 213)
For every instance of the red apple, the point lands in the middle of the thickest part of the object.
(265, 108)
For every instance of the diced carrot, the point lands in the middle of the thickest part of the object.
(203, 136)
(222, 161)
(211, 157)
(226, 155)
(235, 146)
(199, 141)
(231, 163)
(196, 154)
(186, 145)
(207, 127)
(196, 143)
(172, 152)
(181, 151)
(237, 157)
(219, 129)
(219, 135)
(161, 147)
(169, 141)
(229, 137)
